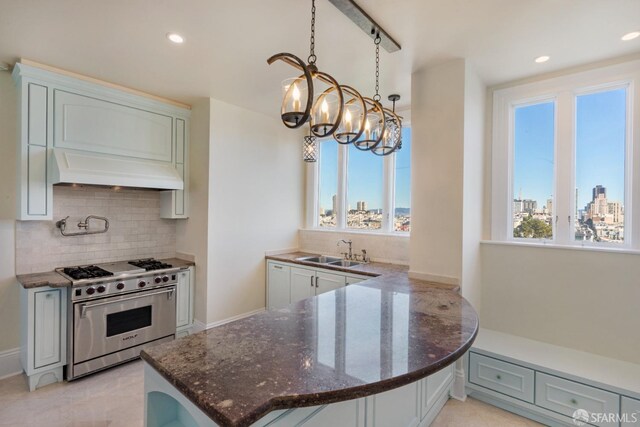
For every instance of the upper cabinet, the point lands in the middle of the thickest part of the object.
(73, 130)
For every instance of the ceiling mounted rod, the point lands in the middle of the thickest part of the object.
(366, 23)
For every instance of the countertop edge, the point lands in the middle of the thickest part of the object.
(324, 398)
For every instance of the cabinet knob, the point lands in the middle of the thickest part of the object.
(574, 402)
(499, 376)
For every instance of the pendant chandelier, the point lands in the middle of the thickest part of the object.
(334, 110)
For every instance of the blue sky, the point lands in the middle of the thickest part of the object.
(600, 135)
(364, 175)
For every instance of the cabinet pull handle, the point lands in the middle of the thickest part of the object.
(316, 281)
(279, 267)
(311, 277)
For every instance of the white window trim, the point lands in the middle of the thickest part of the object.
(564, 90)
(388, 195)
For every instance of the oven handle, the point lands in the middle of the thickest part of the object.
(85, 307)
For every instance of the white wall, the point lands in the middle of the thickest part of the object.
(437, 104)
(587, 300)
(381, 248)
(473, 186)
(9, 288)
(192, 234)
(256, 191)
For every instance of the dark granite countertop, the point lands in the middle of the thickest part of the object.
(356, 341)
(55, 280)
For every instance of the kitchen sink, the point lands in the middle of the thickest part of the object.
(323, 259)
(346, 263)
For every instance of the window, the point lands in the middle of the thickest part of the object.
(402, 193)
(357, 190)
(534, 142)
(328, 183)
(600, 159)
(364, 189)
(562, 163)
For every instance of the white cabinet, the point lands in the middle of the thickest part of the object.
(303, 283)
(278, 285)
(34, 197)
(184, 301)
(288, 283)
(43, 334)
(64, 114)
(398, 408)
(326, 282)
(629, 412)
(175, 204)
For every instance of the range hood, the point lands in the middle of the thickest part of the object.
(81, 167)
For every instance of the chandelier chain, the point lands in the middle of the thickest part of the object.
(377, 40)
(312, 55)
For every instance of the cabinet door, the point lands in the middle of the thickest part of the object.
(630, 412)
(278, 285)
(47, 328)
(434, 386)
(328, 282)
(183, 299)
(397, 408)
(350, 280)
(302, 284)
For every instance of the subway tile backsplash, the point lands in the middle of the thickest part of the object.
(135, 230)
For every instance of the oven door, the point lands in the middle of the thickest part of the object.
(115, 323)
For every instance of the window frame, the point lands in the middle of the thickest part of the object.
(565, 91)
(388, 194)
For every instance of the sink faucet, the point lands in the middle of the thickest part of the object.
(348, 242)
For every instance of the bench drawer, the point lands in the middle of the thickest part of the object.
(503, 377)
(630, 412)
(565, 397)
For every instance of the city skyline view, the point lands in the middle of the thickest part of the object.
(600, 143)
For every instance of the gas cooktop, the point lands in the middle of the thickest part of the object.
(86, 272)
(117, 270)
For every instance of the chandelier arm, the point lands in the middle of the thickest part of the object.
(300, 65)
(334, 86)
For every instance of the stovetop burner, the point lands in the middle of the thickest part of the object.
(88, 272)
(150, 264)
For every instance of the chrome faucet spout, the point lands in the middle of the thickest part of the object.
(348, 242)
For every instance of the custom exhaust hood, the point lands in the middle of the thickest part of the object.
(82, 167)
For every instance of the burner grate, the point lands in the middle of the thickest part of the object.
(88, 272)
(150, 264)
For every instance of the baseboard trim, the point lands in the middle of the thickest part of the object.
(447, 280)
(10, 363)
(201, 326)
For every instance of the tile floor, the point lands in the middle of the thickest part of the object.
(115, 398)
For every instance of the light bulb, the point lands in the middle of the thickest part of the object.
(325, 110)
(296, 98)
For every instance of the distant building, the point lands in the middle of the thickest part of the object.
(517, 206)
(529, 206)
(597, 190)
(549, 206)
(361, 206)
(335, 202)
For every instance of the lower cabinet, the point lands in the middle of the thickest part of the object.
(43, 334)
(400, 407)
(185, 291)
(288, 283)
(629, 411)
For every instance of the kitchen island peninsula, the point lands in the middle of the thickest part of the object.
(379, 352)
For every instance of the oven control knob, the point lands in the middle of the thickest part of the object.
(142, 284)
(90, 290)
(120, 286)
(101, 289)
(158, 279)
(165, 279)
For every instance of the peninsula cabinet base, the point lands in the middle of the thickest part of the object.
(414, 405)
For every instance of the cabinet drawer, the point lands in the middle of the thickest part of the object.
(565, 397)
(630, 412)
(503, 377)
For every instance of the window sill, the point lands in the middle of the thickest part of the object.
(587, 248)
(358, 232)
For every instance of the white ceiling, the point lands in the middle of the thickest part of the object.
(227, 43)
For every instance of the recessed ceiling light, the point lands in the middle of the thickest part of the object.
(541, 59)
(630, 36)
(176, 38)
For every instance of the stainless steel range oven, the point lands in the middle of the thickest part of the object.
(116, 314)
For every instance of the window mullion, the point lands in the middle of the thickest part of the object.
(564, 197)
(341, 202)
(387, 193)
